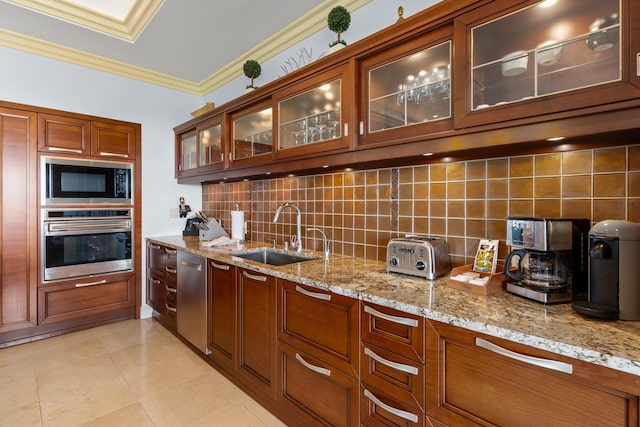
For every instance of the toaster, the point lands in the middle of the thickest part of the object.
(418, 255)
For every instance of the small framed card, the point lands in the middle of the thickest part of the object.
(486, 257)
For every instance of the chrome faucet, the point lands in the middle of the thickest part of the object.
(298, 242)
(326, 244)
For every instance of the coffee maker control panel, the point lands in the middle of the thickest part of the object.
(539, 233)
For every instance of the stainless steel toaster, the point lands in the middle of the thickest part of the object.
(418, 255)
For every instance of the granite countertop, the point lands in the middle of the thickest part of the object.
(555, 328)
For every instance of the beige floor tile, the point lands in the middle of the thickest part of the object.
(132, 373)
(133, 415)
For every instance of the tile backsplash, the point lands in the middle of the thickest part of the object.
(461, 202)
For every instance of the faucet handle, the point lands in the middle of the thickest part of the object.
(294, 241)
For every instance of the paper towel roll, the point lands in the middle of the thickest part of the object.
(237, 225)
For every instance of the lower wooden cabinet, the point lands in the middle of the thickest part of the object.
(86, 297)
(474, 379)
(321, 323)
(162, 281)
(222, 313)
(256, 359)
(316, 393)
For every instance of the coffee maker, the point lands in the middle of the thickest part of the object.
(614, 272)
(548, 258)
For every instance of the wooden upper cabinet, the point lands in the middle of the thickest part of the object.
(64, 135)
(251, 135)
(315, 115)
(405, 90)
(541, 57)
(76, 135)
(201, 149)
(111, 139)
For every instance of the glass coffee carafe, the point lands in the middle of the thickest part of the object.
(540, 269)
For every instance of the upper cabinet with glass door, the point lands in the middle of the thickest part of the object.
(313, 115)
(200, 150)
(252, 135)
(572, 54)
(407, 90)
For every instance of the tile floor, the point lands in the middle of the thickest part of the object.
(132, 373)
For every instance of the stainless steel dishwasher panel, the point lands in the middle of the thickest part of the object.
(192, 299)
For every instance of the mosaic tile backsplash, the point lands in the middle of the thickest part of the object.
(461, 202)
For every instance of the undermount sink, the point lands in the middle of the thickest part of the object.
(274, 257)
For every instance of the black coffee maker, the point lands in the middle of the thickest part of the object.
(614, 272)
(548, 259)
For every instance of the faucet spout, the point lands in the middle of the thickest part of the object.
(326, 244)
(298, 243)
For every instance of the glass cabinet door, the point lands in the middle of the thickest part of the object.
(550, 47)
(311, 117)
(252, 134)
(188, 151)
(410, 90)
(210, 144)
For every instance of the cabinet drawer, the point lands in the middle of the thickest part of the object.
(379, 409)
(315, 392)
(394, 330)
(397, 376)
(320, 323)
(474, 375)
(84, 298)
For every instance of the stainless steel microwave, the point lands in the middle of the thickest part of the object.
(81, 181)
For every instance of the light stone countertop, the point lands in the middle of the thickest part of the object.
(555, 328)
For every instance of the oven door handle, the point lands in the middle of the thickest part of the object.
(56, 227)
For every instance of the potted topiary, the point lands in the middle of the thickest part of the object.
(339, 20)
(251, 69)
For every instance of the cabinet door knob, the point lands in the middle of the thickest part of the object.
(537, 361)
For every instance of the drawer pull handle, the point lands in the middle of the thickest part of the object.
(401, 320)
(397, 366)
(316, 295)
(170, 251)
(170, 289)
(107, 153)
(395, 411)
(154, 246)
(172, 309)
(220, 266)
(171, 270)
(155, 281)
(555, 365)
(65, 150)
(84, 285)
(254, 277)
(314, 368)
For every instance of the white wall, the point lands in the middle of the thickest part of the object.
(34, 80)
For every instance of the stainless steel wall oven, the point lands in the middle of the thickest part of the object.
(86, 242)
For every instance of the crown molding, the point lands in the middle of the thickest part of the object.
(62, 53)
(313, 21)
(128, 29)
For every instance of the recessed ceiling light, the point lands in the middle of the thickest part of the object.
(548, 3)
(555, 138)
(427, 154)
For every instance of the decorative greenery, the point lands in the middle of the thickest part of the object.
(339, 20)
(252, 69)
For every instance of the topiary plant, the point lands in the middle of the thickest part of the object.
(339, 20)
(252, 69)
